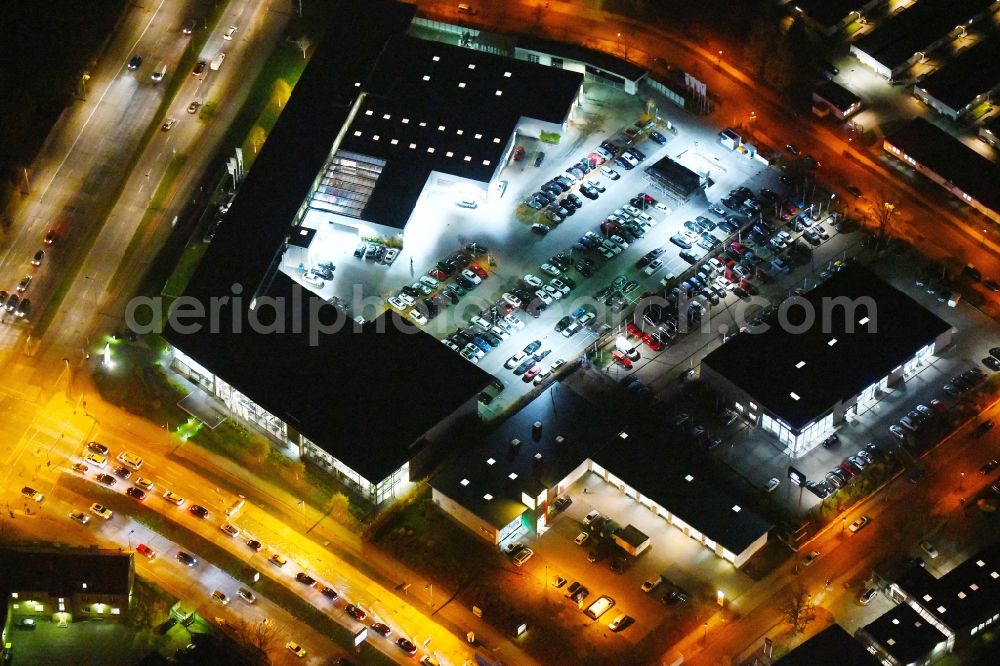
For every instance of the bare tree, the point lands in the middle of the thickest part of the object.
(883, 212)
(797, 609)
(254, 638)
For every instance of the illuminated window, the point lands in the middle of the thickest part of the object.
(413, 146)
(386, 116)
(471, 66)
(464, 482)
(487, 497)
(461, 84)
(468, 158)
(357, 132)
(375, 137)
(506, 75)
(368, 112)
(688, 478)
(736, 508)
(406, 121)
(486, 162)
(436, 58)
(394, 141)
(426, 78)
(499, 93)
(459, 132)
(449, 154)
(795, 396)
(832, 342)
(800, 364)
(490, 461)
(430, 149)
(479, 136)
(512, 476)
(116, 611)
(863, 321)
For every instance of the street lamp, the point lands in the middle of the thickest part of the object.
(430, 596)
(961, 481)
(130, 539)
(843, 520)
(706, 633)
(982, 241)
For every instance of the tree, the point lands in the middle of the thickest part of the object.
(257, 137)
(882, 212)
(254, 638)
(797, 609)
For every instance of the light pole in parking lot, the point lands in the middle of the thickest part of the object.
(430, 593)
(130, 539)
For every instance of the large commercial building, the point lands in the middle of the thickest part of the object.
(826, 16)
(901, 637)
(951, 164)
(967, 80)
(64, 585)
(831, 647)
(280, 358)
(505, 485)
(829, 97)
(912, 34)
(824, 358)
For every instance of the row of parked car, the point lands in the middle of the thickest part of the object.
(376, 252)
(847, 470)
(15, 301)
(431, 293)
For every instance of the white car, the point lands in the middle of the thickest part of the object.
(417, 317)
(514, 321)
(929, 548)
(610, 173)
(101, 511)
(772, 484)
(513, 300)
(618, 622)
(652, 583)
(581, 538)
(295, 649)
(550, 269)
(859, 523)
(561, 286)
(451, 345)
(398, 304)
(481, 322)
(663, 208)
(246, 595)
(144, 483)
(473, 353)
(229, 529)
(591, 517)
(173, 498)
(553, 292)
(543, 375)
(96, 459)
(543, 296)
(220, 598)
(230, 31)
(431, 282)
(311, 278)
(471, 277)
(530, 279)
(168, 124)
(390, 255)
(80, 517)
(514, 360)
(523, 556)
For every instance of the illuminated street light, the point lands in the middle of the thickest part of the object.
(107, 355)
(720, 597)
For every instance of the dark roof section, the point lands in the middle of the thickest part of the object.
(837, 95)
(412, 381)
(675, 177)
(951, 159)
(608, 63)
(898, 327)
(831, 647)
(631, 535)
(654, 469)
(993, 126)
(429, 96)
(975, 71)
(62, 573)
(827, 13)
(902, 633)
(963, 597)
(582, 426)
(896, 40)
(301, 237)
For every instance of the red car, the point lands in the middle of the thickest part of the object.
(621, 359)
(738, 248)
(532, 371)
(652, 342)
(356, 612)
(633, 331)
(519, 153)
(595, 159)
(145, 551)
(478, 270)
(437, 274)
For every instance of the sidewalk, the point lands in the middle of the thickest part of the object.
(310, 524)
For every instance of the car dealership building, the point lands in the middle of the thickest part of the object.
(825, 357)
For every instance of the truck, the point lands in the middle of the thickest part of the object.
(217, 62)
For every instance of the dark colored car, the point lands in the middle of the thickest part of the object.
(122, 472)
(406, 646)
(381, 629)
(198, 510)
(199, 68)
(254, 544)
(135, 62)
(186, 559)
(304, 578)
(136, 493)
(107, 479)
(355, 612)
(329, 593)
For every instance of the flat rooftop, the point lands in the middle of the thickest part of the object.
(897, 39)
(836, 94)
(62, 572)
(471, 476)
(973, 72)
(653, 467)
(364, 395)
(608, 63)
(904, 634)
(831, 647)
(827, 13)
(963, 597)
(430, 106)
(951, 159)
(675, 177)
(831, 360)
